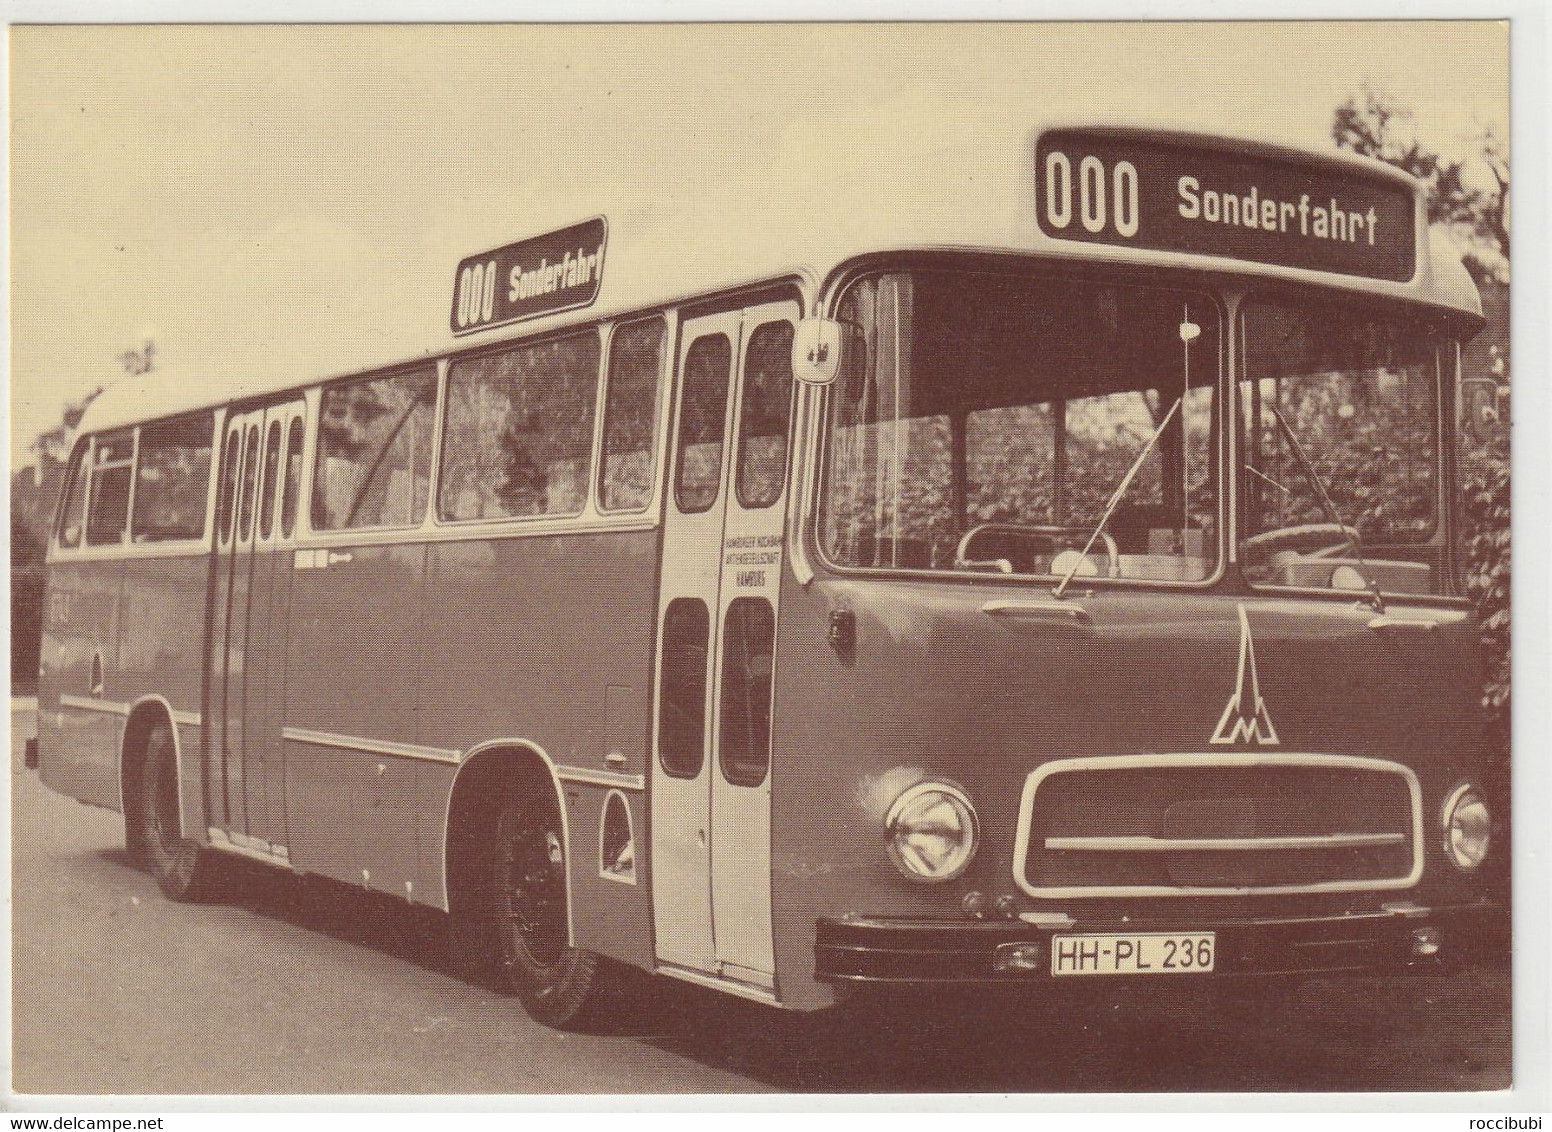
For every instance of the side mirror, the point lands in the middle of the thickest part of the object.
(823, 349)
(1478, 405)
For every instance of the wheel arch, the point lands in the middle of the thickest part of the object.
(143, 716)
(494, 760)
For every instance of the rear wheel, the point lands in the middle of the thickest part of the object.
(183, 868)
(558, 984)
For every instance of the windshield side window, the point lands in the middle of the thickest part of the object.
(1026, 425)
(1339, 479)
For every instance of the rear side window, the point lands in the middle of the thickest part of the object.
(72, 515)
(374, 452)
(172, 479)
(681, 728)
(702, 421)
(107, 513)
(630, 416)
(519, 432)
(763, 415)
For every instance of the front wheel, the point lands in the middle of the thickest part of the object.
(558, 984)
(183, 868)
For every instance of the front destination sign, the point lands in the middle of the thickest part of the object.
(1130, 190)
(555, 272)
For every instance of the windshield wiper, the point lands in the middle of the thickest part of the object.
(1352, 542)
(1126, 482)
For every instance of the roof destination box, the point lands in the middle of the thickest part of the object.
(557, 271)
(1215, 198)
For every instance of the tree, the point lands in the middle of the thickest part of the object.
(1372, 124)
(137, 362)
(26, 602)
(54, 445)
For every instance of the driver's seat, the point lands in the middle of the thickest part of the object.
(1132, 525)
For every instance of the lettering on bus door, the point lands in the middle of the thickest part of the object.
(247, 630)
(722, 551)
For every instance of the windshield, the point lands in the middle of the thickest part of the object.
(1358, 391)
(995, 415)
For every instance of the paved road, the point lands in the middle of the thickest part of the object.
(296, 987)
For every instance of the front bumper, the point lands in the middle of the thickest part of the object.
(861, 949)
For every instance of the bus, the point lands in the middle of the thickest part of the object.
(1015, 568)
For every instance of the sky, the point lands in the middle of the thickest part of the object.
(299, 196)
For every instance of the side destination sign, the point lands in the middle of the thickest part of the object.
(1131, 190)
(531, 278)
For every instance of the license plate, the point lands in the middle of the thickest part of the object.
(1139, 953)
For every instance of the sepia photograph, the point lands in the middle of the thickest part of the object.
(761, 558)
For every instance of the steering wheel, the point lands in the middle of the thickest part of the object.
(1056, 537)
(1311, 540)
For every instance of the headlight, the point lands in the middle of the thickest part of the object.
(1467, 827)
(932, 831)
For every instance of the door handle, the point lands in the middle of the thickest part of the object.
(1384, 623)
(1054, 612)
(340, 557)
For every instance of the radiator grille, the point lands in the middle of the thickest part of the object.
(1192, 824)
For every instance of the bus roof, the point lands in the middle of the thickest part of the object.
(824, 199)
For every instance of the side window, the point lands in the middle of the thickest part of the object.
(226, 500)
(763, 416)
(374, 452)
(271, 473)
(630, 416)
(519, 434)
(681, 729)
(293, 478)
(172, 479)
(250, 479)
(72, 514)
(748, 651)
(702, 419)
(107, 512)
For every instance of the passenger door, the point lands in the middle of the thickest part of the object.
(750, 566)
(241, 735)
(717, 622)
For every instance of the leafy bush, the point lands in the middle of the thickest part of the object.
(26, 604)
(1485, 529)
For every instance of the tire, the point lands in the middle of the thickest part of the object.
(557, 984)
(184, 869)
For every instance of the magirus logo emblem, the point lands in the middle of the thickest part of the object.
(1245, 718)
